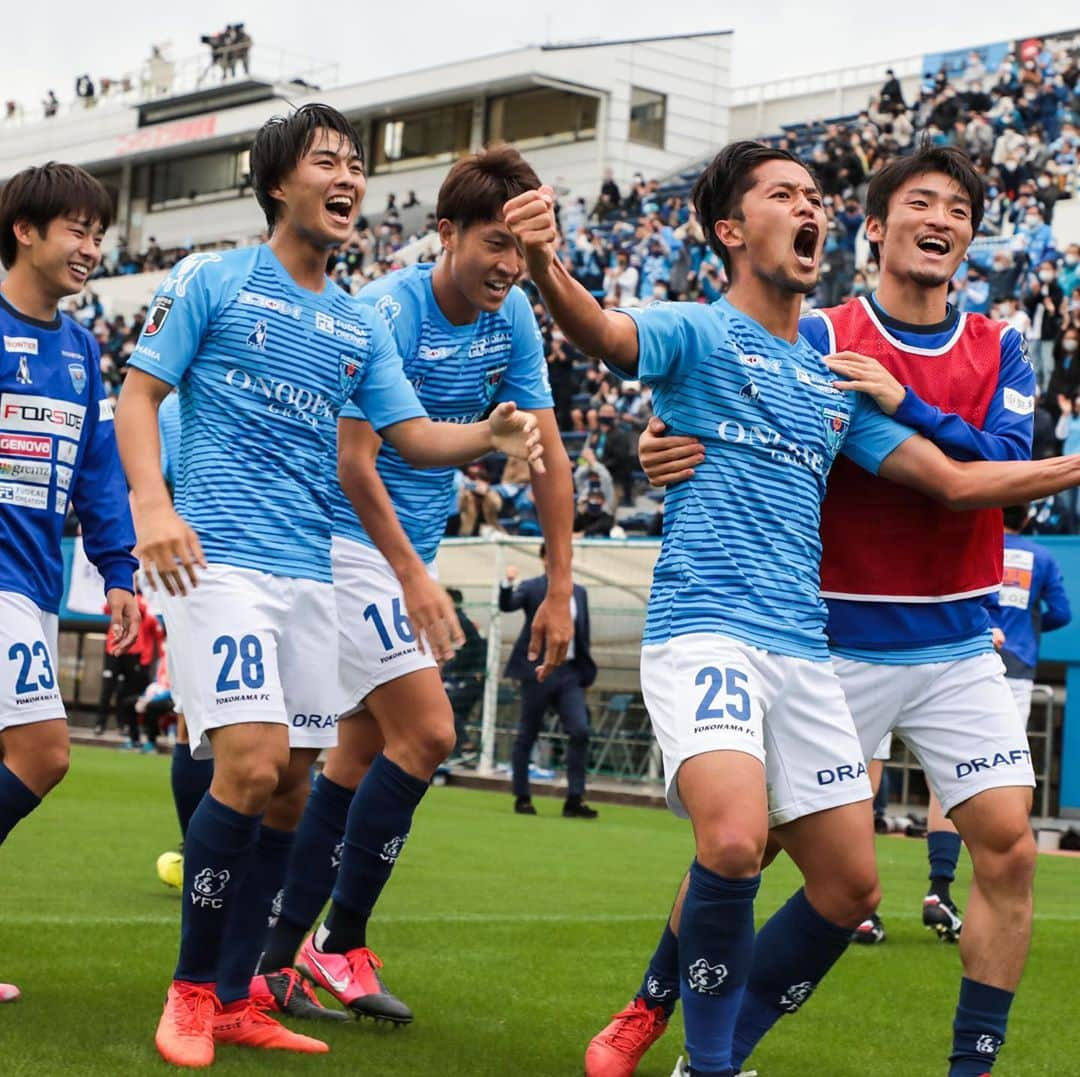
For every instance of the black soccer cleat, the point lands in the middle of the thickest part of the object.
(942, 916)
(870, 932)
(524, 806)
(287, 992)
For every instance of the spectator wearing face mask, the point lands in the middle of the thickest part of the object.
(1037, 237)
(1045, 303)
(592, 519)
(1065, 380)
(1006, 270)
(1047, 194)
(1069, 274)
(611, 445)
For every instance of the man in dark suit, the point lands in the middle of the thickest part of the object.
(563, 689)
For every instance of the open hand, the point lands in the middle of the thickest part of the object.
(866, 375)
(667, 460)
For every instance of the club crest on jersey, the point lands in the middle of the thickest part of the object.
(257, 337)
(388, 307)
(836, 424)
(349, 370)
(492, 379)
(77, 373)
(750, 392)
(22, 375)
(157, 315)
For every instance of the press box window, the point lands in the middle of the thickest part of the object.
(539, 117)
(419, 138)
(648, 111)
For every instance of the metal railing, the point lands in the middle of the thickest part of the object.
(159, 78)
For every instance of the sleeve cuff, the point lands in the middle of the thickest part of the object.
(119, 573)
(916, 413)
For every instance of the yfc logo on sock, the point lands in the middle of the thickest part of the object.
(656, 989)
(392, 849)
(706, 979)
(988, 1045)
(795, 996)
(335, 856)
(275, 908)
(208, 884)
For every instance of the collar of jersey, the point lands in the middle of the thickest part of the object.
(37, 323)
(889, 327)
(731, 309)
(328, 289)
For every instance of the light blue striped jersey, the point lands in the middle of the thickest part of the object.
(741, 551)
(458, 372)
(262, 368)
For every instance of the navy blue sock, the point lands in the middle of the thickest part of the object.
(716, 942)
(379, 820)
(979, 1028)
(793, 951)
(16, 801)
(660, 986)
(312, 871)
(217, 855)
(253, 913)
(190, 780)
(943, 852)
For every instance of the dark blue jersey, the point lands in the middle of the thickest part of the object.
(57, 445)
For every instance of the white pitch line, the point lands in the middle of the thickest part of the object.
(448, 918)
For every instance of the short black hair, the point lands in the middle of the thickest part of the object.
(283, 140)
(947, 160)
(719, 190)
(1015, 516)
(43, 193)
(478, 186)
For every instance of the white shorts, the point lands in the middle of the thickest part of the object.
(29, 686)
(884, 749)
(247, 646)
(708, 693)
(1021, 692)
(376, 642)
(958, 718)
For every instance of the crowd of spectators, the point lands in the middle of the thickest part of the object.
(1020, 124)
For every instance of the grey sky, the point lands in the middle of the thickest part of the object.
(368, 40)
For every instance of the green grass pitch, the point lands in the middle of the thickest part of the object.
(513, 939)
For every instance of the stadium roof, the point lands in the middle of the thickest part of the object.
(599, 44)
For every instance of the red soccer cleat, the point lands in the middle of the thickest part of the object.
(249, 1026)
(616, 1051)
(353, 979)
(185, 1033)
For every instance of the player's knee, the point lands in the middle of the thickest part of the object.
(255, 780)
(731, 853)
(863, 896)
(1006, 858)
(51, 767)
(578, 738)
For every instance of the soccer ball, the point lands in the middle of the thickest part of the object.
(170, 869)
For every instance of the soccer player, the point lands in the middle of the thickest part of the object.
(469, 338)
(56, 445)
(264, 350)
(1032, 600)
(749, 714)
(906, 585)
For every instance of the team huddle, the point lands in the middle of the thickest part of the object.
(804, 605)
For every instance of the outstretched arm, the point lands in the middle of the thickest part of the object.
(920, 464)
(428, 605)
(606, 335)
(423, 443)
